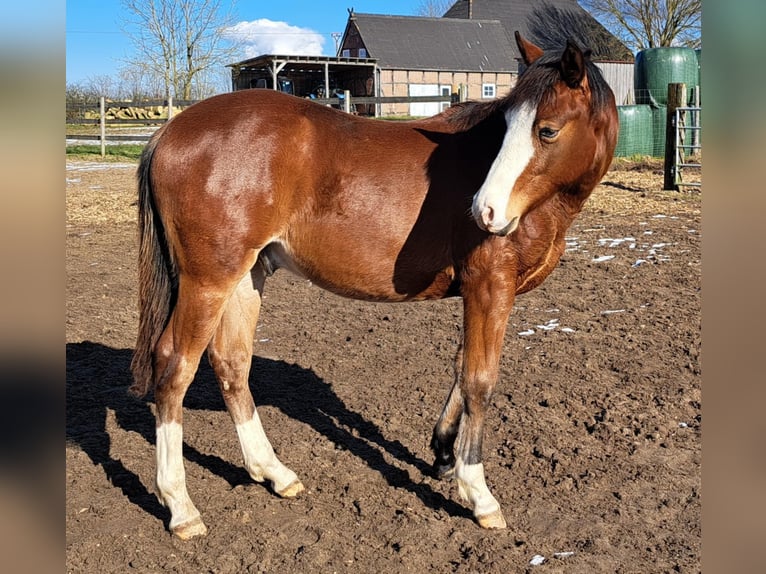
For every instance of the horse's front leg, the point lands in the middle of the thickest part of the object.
(486, 307)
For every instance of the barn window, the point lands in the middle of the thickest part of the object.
(362, 52)
(488, 90)
(445, 91)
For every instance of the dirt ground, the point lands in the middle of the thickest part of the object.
(593, 441)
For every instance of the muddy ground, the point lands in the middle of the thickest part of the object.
(593, 441)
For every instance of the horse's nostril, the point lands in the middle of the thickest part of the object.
(488, 215)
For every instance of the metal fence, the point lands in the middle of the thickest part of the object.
(141, 127)
(687, 164)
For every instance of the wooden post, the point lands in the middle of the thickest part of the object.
(326, 81)
(463, 91)
(676, 99)
(347, 101)
(102, 123)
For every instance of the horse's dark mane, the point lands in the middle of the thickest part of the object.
(535, 85)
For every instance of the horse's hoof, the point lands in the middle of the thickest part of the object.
(493, 520)
(292, 489)
(194, 527)
(444, 471)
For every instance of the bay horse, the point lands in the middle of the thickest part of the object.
(473, 202)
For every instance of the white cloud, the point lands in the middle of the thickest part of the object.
(265, 36)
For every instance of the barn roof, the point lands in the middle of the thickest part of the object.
(547, 23)
(411, 42)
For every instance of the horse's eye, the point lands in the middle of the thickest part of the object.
(548, 133)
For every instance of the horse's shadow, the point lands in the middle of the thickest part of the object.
(97, 380)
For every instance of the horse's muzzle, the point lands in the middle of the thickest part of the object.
(485, 220)
(510, 228)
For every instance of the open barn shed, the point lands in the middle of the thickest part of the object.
(306, 76)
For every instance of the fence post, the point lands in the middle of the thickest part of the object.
(102, 123)
(347, 101)
(676, 99)
(463, 92)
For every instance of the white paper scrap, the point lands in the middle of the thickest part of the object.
(602, 258)
(537, 560)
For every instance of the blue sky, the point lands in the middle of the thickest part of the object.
(96, 43)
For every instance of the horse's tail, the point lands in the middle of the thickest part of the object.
(156, 278)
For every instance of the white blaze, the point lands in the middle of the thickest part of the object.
(491, 201)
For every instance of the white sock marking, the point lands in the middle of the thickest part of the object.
(260, 460)
(171, 478)
(473, 488)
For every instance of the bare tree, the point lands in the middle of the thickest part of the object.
(642, 24)
(550, 26)
(433, 8)
(178, 41)
(136, 85)
(102, 85)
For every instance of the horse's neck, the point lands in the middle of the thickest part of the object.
(565, 206)
(541, 241)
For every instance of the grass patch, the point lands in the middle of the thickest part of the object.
(127, 152)
(638, 163)
(400, 118)
(83, 129)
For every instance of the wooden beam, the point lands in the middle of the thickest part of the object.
(676, 99)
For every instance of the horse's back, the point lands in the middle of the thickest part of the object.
(342, 197)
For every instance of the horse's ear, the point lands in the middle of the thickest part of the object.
(573, 64)
(529, 52)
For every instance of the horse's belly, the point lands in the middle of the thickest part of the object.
(367, 274)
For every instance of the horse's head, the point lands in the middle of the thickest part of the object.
(560, 137)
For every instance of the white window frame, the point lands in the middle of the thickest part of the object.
(488, 91)
(445, 91)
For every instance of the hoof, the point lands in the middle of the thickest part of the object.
(493, 520)
(194, 527)
(444, 471)
(292, 489)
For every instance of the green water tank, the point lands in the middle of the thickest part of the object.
(659, 125)
(698, 53)
(655, 68)
(635, 131)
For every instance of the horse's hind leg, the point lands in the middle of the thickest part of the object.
(230, 353)
(176, 358)
(445, 431)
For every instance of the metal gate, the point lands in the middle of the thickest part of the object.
(687, 163)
